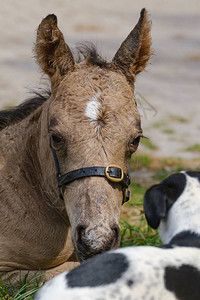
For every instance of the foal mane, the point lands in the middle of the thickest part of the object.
(13, 115)
(88, 51)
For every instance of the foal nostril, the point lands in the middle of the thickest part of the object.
(80, 232)
(91, 241)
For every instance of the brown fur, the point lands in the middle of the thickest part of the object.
(38, 230)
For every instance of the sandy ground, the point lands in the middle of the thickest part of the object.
(168, 93)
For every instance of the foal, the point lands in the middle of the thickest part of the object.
(86, 132)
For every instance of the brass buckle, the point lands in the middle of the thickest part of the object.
(113, 179)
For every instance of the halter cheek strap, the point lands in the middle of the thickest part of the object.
(112, 172)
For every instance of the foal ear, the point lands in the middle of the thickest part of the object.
(52, 53)
(134, 52)
(155, 205)
(160, 197)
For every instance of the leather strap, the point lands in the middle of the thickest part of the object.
(93, 171)
(112, 173)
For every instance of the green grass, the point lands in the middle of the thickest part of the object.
(168, 131)
(161, 175)
(26, 289)
(179, 119)
(137, 194)
(194, 148)
(139, 161)
(138, 236)
(159, 124)
(147, 143)
(134, 228)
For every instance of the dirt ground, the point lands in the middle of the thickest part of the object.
(168, 93)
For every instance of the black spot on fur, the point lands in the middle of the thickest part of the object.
(160, 197)
(20, 112)
(130, 282)
(184, 282)
(167, 246)
(195, 174)
(101, 270)
(186, 239)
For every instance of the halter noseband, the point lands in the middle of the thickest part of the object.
(112, 172)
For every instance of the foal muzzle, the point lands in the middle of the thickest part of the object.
(112, 173)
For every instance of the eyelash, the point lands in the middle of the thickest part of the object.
(135, 143)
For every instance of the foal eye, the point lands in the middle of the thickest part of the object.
(136, 141)
(56, 140)
(134, 144)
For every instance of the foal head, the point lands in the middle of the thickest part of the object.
(93, 121)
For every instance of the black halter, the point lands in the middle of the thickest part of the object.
(112, 172)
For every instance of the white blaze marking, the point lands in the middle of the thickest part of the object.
(93, 108)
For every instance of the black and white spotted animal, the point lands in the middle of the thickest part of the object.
(150, 273)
